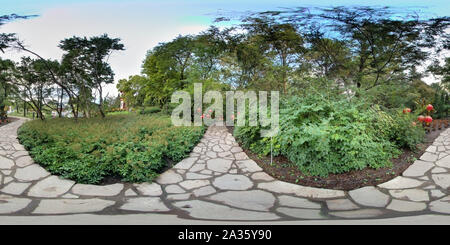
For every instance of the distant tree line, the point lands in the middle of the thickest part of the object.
(371, 52)
(76, 81)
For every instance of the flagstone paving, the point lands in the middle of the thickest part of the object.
(219, 182)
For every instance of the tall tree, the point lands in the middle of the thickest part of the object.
(92, 54)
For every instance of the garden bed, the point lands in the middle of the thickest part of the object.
(284, 170)
(118, 148)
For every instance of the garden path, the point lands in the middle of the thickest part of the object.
(219, 182)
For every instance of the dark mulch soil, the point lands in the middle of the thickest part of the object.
(9, 120)
(109, 180)
(282, 169)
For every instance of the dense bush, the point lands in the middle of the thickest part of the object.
(131, 146)
(334, 135)
(149, 110)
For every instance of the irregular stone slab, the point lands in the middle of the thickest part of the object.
(219, 165)
(442, 180)
(233, 182)
(431, 149)
(15, 188)
(437, 170)
(341, 204)
(225, 147)
(437, 193)
(96, 190)
(144, 204)
(204, 191)
(297, 202)
(298, 190)
(6, 172)
(24, 161)
(360, 213)
(71, 196)
(206, 171)
(10, 204)
(429, 187)
(444, 162)
(30, 173)
(149, 189)
(192, 184)
(206, 210)
(248, 166)
(400, 182)
(301, 213)
(130, 193)
(7, 180)
(417, 195)
(18, 147)
(406, 206)
(226, 155)
(178, 197)
(418, 168)
(262, 176)
(52, 186)
(19, 154)
(369, 196)
(174, 189)
(236, 149)
(429, 157)
(217, 148)
(169, 177)
(197, 149)
(241, 156)
(253, 200)
(424, 178)
(67, 206)
(180, 171)
(197, 176)
(6, 163)
(211, 154)
(186, 163)
(197, 167)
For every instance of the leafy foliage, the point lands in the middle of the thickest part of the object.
(131, 146)
(324, 135)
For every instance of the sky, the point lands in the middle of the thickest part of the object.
(143, 24)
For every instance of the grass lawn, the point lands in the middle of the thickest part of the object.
(135, 148)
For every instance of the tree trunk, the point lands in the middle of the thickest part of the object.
(100, 104)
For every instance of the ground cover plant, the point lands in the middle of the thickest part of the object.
(135, 148)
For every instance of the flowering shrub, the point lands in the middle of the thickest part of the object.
(323, 136)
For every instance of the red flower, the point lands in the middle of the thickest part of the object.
(429, 107)
(428, 119)
(421, 118)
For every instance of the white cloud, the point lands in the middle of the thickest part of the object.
(140, 29)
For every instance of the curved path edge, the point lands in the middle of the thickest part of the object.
(218, 182)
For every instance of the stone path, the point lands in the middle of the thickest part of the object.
(219, 182)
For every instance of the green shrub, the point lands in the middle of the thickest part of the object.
(402, 129)
(133, 147)
(149, 110)
(333, 135)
